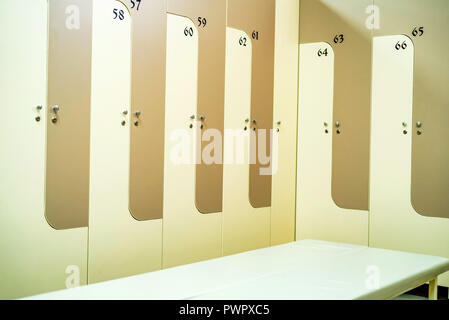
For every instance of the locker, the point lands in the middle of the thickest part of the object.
(188, 235)
(417, 217)
(270, 98)
(119, 245)
(244, 227)
(426, 23)
(343, 25)
(318, 215)
(209, 18)
(149, 24)
(413, 215)
(257, 18)
(68, 113)
(251, 66)
(344, 112)
(283, 191)
(36, 258)
(249, 111)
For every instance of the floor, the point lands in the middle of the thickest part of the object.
(420, 293)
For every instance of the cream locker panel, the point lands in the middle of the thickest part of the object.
(285, 120)
(343, 25)
(426, 22)
(35, 257)
(318, 217)
(119, 245)
(394, 223)
(209, 17)
(188, 235)
(244, 227)
(257, 18)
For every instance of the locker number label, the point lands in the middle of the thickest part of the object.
(188, 32)
(339, 38)
(135, 4)
(418, 32)
(242, 41)
(118, 14)
(322, 52)
(255, 35)
(202, 22)
(401, 46)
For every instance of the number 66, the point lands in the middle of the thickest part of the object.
(400, 46)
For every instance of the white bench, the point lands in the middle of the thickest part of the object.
(305, 269)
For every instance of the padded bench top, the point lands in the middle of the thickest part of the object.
(307, 269)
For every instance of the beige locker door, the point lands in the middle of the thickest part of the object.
(257, 19)
(318, 217)
(244, 227)
(35, 258)
(209, 18)
(394, 223)
(426, 22)
(285, 111)
(188, 235)
(342, 24)
(119, 245)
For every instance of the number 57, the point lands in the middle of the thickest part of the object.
(133, 4)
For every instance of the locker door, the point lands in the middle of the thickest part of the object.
(257, 18)
(423, 226)
(209, 18)
(244, 227)
(250, 39)
(35, 257)
(188, 235)
(342, 25)
(149, 24)
(68, 113)
(318, 216)
(426, 22)
(273, 105)
(394, 222)
(285, 120)
(119, 245)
